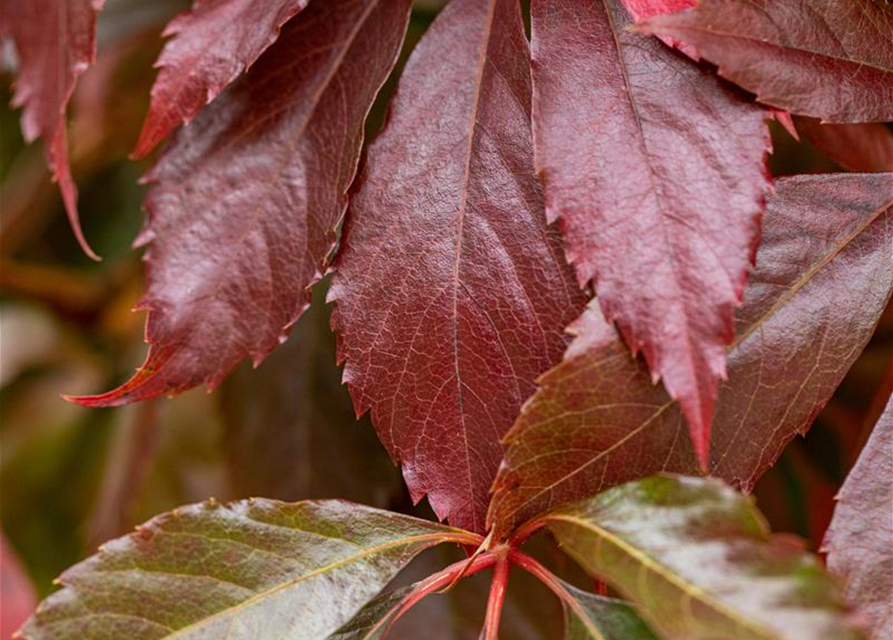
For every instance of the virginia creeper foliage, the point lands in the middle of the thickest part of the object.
(55, 41)
(563, 284)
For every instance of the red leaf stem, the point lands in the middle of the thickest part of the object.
(497, 595)
(443, 579)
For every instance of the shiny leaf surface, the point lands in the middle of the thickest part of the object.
(55, 43)
(701, 563)
(451, 291)
(244, 202)
(254, 569)
(211, 46)
(823, 277)
(830, 59)
(859, 539)
(662, 216)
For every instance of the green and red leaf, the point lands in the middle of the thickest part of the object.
(823, 277)
(253, 569)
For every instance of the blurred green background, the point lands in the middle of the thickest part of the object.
(71, 478)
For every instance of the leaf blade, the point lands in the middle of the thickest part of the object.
(582, 432)
(212, 44)
(231, 255)
(858, 540)
(442, 353)
(263, 568)
(661, 217)
(672, 544)
(830, 60)
(55, 42)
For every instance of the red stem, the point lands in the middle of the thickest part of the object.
(440, 580)
(531, 566)
(497, 597)
(524, 532)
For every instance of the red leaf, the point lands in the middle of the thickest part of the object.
(16, 591)
(452, 293)
(823, 278)
(55, 42)
(660, 213)
(244, 202)
(643, 9)
(212, 45)
(855, 147)
(859, 540)
(831, 59)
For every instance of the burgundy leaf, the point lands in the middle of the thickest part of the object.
(859, 539)
(831, 59)
(451, 290)
(212, 45)
(244, 202)
(856, 147)
(56, 42)
(663, 215)
(823, 278)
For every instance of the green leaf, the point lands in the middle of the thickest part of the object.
(597, 618)
(253, 570)
(699, 560)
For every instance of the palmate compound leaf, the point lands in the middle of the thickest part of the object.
(823, 277)
(830, 59)
(701, 564)
(212, 45)
(859, 541)
(451, 291)
(243, 204)
(252, 570)
(656, 171)
(55, 43)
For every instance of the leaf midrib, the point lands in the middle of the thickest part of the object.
(433, 538)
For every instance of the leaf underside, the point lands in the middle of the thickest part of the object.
(451, 292)
(244, 202)
(830, 59)
(55, 43)
(823, 277)
(254, 569)
(699, 561)
(656, 171)
(212, 45)
(855, 147)
(858, 541)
